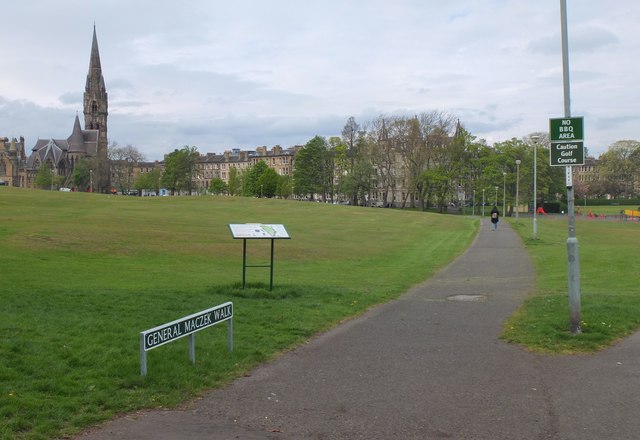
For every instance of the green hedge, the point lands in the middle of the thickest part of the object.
(612, 202)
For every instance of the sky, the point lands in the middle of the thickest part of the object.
(245, 73)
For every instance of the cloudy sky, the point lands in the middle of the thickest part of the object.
(239, 74)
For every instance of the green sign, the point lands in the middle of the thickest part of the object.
(566, 129)
(567, 146)
(567, 153)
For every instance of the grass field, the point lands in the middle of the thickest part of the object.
(83, 274)
(609, 284)
(606, 209)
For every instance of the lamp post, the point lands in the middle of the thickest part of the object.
(496, 202)
(504, 191)
(90, 180)
(483, 202)
(535, 195)
(517, 185)
(52, 178)
(473, 204)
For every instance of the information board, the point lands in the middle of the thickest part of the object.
(258, 230)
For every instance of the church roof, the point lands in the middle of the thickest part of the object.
(82, 141)
(76, 140)
(47, 150)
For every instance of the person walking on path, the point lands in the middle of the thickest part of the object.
(495, 217)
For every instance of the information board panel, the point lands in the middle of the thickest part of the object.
(258, 230)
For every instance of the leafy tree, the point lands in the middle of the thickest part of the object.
(218, 186)
(250, 187)
(503, 158)
(285, 187)
(43, 178)
(619, 169)
(313, 170)
(179, 169)
(267, 183)
(149, 181)
(235, 181)
(82, 174)
(436, 182)
(46, 179)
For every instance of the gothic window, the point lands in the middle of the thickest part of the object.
(94, 108)
(3, 168)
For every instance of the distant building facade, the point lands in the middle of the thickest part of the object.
(218, 166)
(12, 162)
(588, 172)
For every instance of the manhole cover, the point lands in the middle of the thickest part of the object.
(467, 298)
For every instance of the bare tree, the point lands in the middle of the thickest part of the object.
(383, 158)
(123, 161)
(350, 134)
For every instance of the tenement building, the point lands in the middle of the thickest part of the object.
(211, 166)
(12, 162)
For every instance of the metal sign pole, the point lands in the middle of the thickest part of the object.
(271, 275)
(572, 242)
(192, 348)
(143, 357)
(244, 262)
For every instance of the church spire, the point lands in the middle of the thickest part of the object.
(94, 63)
(94, 77)
(96, 107)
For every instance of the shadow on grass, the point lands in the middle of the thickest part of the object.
(261, 291)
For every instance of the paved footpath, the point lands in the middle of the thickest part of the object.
(426, 366)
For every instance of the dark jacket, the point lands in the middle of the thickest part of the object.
(495, 215)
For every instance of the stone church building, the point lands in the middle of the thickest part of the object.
(61, 155)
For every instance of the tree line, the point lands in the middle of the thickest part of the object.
(431, 160)
(426, 160)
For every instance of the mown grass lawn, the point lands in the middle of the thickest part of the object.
(83, 274)
(609, 284)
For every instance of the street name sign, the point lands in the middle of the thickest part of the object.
(567, 141)
(187, 326)
(182, 327)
